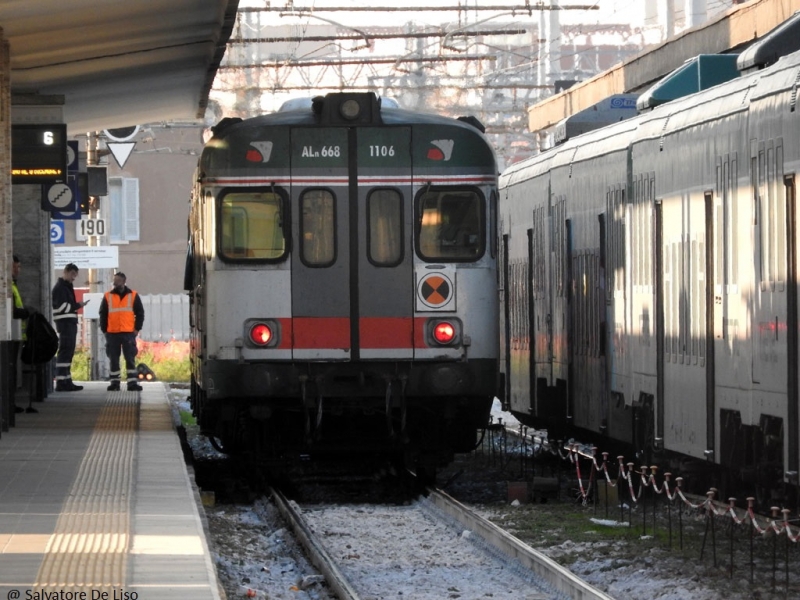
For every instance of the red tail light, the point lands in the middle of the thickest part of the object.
(444, 332)
(260, 334)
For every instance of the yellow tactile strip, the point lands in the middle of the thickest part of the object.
(90, 544)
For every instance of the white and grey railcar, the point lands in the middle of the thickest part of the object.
(342, 268)
(649, 280)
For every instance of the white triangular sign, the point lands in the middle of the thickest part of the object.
(121, 151)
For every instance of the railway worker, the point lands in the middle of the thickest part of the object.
(121, 320)
(21, 313)
(65, 317)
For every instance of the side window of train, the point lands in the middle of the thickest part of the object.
(317, 228)
(451, 225)
(385, 230)
(252, 226)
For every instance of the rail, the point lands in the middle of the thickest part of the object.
(318, 556)
(561, 579)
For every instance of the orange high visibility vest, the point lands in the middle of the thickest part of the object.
(120, 313)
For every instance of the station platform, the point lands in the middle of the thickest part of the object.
(96, 502)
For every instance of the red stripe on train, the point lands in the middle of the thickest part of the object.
(386, 332)
(334, 332)
(321, 332)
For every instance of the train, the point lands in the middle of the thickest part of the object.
(648, 279)
(342, 275)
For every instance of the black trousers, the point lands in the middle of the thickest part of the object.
(126, 343)
(67, 336)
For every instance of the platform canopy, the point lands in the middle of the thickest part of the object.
(116, 63)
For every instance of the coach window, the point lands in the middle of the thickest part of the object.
(385, 232)
(450, 225)
(252, 226)
(317, 228)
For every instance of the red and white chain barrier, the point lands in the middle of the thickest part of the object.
(777, 524)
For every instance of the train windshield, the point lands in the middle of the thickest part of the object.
(252, 226)
(450, 225)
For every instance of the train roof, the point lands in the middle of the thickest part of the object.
(781, 41)
(301, 113)
(590, 145)
(713, 103)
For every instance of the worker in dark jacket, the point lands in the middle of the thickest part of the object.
(121, 320)
(65, 317)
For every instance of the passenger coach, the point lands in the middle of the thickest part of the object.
(650, 279)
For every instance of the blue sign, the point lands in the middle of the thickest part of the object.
(57, 231)
(63, 208)
(72, 156)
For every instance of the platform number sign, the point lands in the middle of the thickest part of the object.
(91, 227)
(57, 232)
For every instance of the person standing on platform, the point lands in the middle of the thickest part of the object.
(121, 320)
(21, 313)
(65, 317)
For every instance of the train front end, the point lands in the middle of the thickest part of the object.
(343, 282)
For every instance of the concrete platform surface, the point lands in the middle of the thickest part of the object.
(96, 502)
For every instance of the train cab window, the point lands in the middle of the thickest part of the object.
(385, 232)
(252, 226)
(317, 228)
(450, 225)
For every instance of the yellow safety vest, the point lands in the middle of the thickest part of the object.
(18, 304)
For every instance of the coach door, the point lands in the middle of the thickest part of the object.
(351, 260)
(792, 325)
(383, 305)
(684, 267)
(321, 221)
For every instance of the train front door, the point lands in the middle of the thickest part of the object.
(384, 266)
(351, 260)
(320, 214)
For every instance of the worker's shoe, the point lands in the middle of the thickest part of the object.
(71, 387)
(63, 386)
(114, 387)
(134, 387)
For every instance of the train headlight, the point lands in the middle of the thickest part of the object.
(350, 109)
(444, 332)
(262, 333)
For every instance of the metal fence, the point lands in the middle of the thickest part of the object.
(166, 317)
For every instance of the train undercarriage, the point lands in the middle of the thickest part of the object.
(324, 410)
(750, 461)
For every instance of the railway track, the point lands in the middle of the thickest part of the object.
(433, 547)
